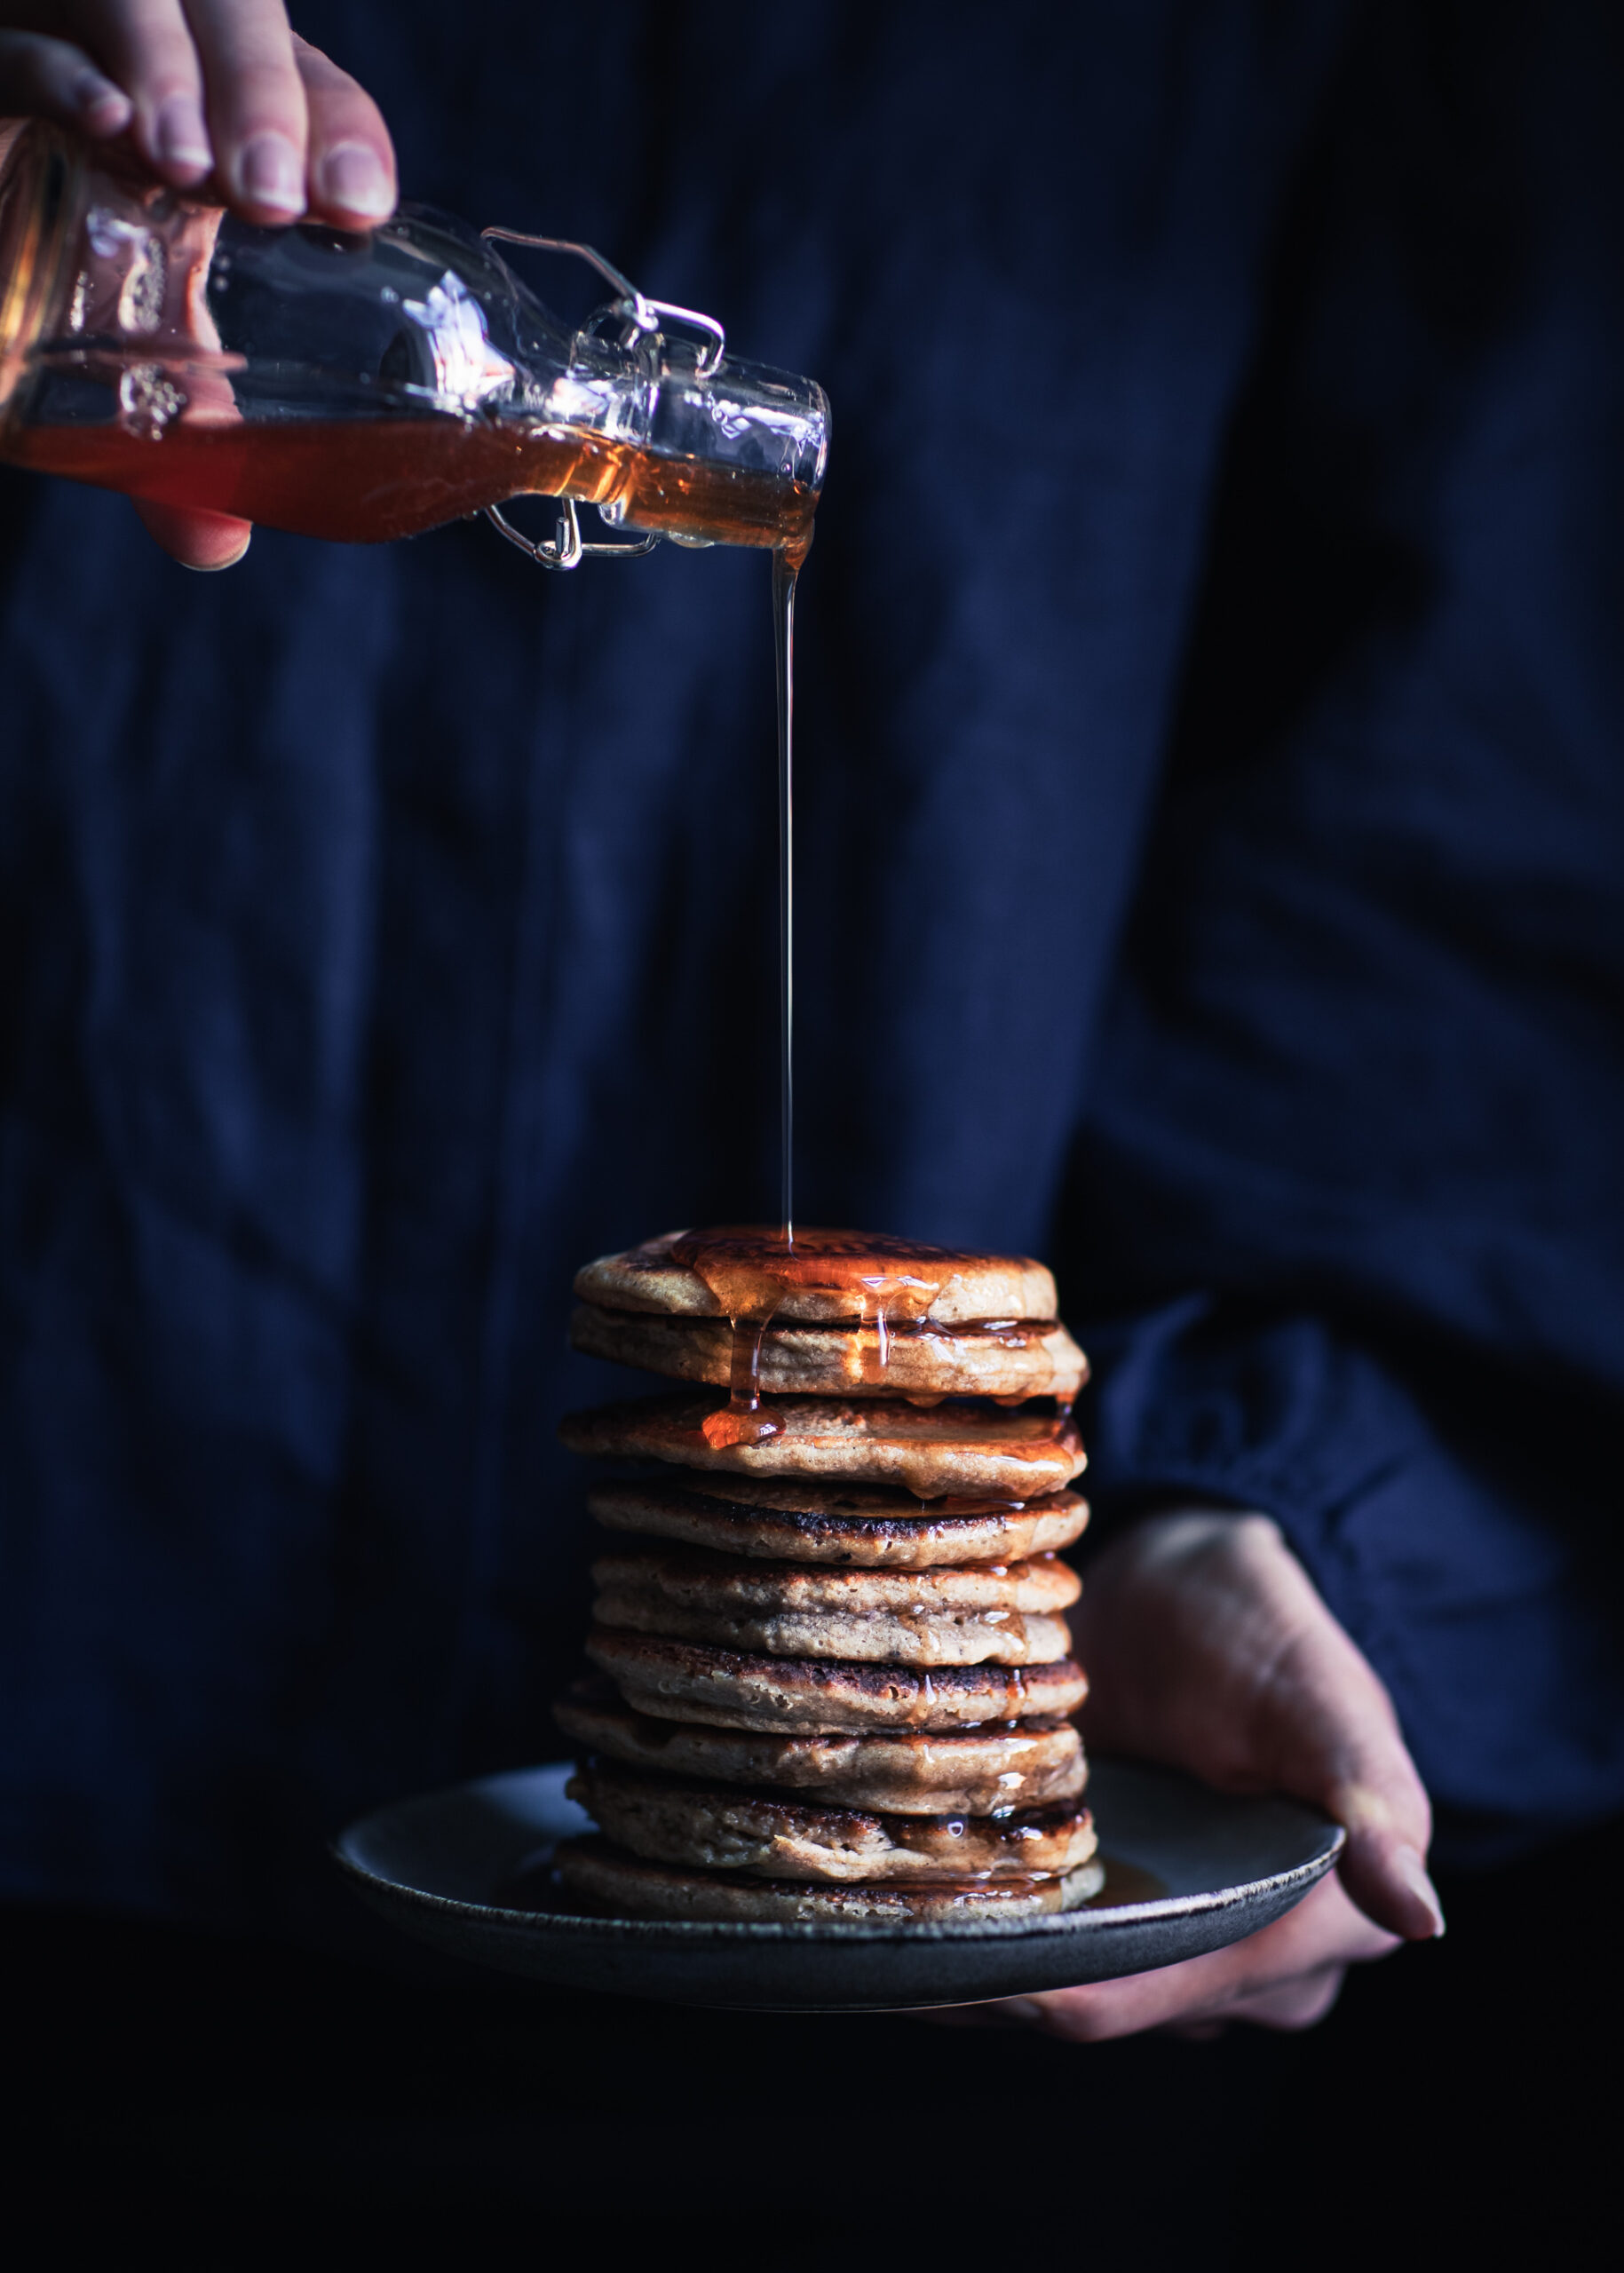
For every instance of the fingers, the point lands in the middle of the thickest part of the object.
(352, 160)
(1294, 2004)
(220, 92)
(204, 541)
(146, 46)
(292, 130)
(40, 78)
(1287, 1977)
(257, 119)
(1210, 1648)
(1336, 1741)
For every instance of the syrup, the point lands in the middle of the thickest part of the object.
(365, 480)
(750, 1269)
(785, 573)
(748, 1294)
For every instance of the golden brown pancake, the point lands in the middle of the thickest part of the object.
(951, 1637)
(731, 1688)
(968, 1289)
(958, 1447)
(947, 1617)
(713, 1829)
(598, 1875)
(1033, 1359)
(835, 1523)
(997, 1613)
(694, 1579)
(1021, 1764)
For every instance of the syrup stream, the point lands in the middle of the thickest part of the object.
(784, 569)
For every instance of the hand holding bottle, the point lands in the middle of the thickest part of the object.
(220, 97)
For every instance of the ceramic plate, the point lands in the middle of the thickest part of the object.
(1187, 1870)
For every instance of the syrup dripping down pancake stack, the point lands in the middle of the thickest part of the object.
(833, 1668)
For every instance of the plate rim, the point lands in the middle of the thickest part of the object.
(747, 1932)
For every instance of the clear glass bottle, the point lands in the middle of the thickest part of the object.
(369, 385)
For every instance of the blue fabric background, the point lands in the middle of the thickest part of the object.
(1211, 830)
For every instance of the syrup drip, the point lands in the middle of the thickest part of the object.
(750, 1302)
(750, 1269)
(786, 569)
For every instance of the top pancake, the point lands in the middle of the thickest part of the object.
(969, 1289)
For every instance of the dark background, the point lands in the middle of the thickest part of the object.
(1212, 704)
(232, 2101)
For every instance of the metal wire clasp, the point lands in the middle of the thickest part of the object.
(641, 318)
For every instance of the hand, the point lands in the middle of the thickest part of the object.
(1207, 1647)
(218, 96)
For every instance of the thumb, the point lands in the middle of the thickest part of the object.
(1330, 1724)
(1381, 1865)
(1341, 1748)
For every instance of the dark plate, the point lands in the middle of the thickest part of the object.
(1187, 1870)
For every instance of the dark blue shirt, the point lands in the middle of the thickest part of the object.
(1212, 818)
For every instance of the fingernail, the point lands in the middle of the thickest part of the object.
(1026, 2012)
(352, 177)
(214, 567)
(105, 108)
(269, 173)
(1413, 1870)
(182, 138)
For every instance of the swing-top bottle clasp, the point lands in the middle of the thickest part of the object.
(641, 323)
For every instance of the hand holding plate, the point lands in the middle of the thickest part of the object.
(1208, 1648)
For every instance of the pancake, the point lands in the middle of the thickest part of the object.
(839, 1525)
(951, 1288)
(933, 1618)
(598, 1875)
(689, 1577)
(954, 1447)
(1021, 1764)
(719, 1830)
(948, 1637)
(731, 1688)
(1035, 1358)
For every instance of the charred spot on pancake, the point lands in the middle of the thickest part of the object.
(866, 1529)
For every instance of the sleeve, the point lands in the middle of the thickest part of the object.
(1348, 1203)
(1480, 1581)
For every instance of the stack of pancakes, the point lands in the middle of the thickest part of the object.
(833, 1669)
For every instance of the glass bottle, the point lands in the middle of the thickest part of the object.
(362, 386)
